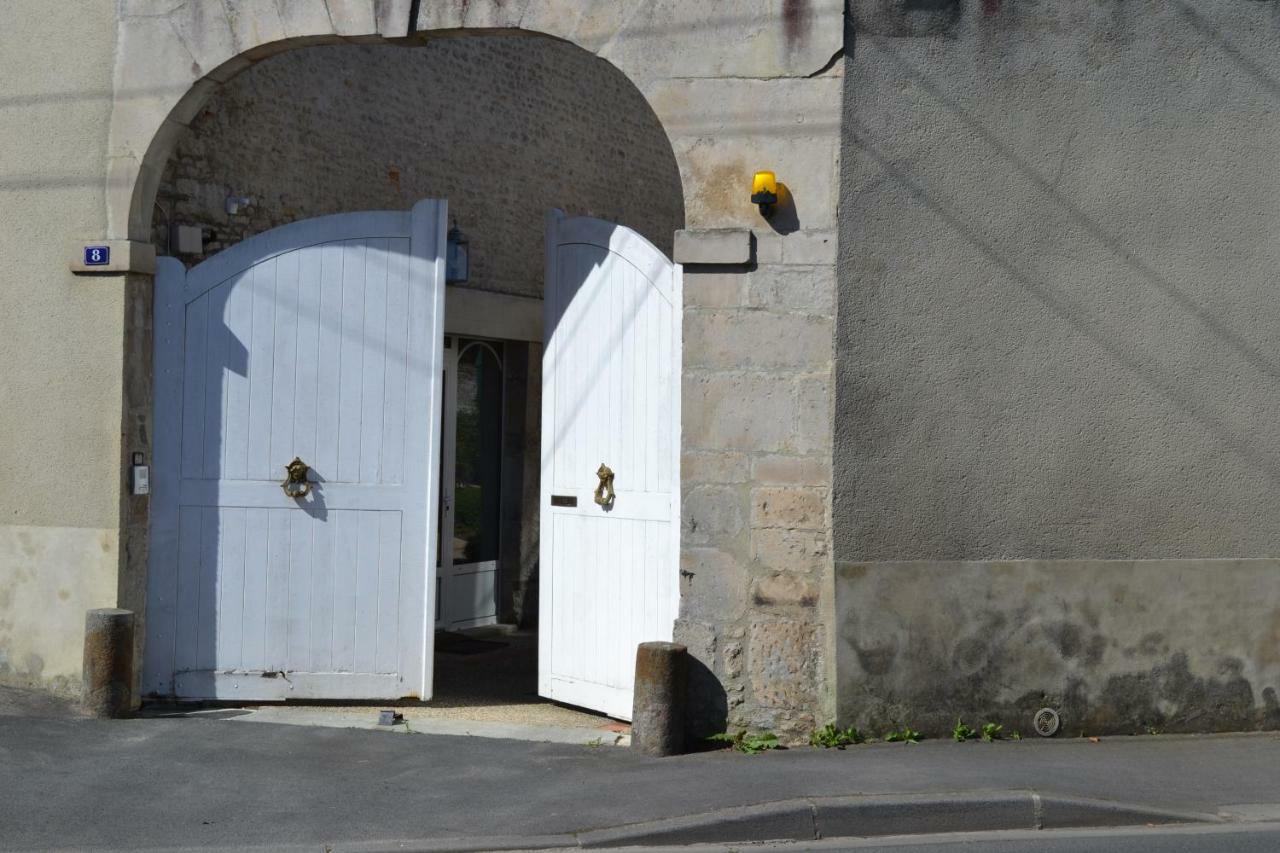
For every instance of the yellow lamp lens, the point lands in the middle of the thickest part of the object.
(764, 182)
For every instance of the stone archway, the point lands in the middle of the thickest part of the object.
(737, 86)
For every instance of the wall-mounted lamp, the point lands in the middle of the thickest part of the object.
(457, 261)
(236, 203)
(764, 192)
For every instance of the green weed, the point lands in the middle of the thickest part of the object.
(829, 736)
(749, 744)
(906, 734)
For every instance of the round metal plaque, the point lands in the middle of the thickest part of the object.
(1046, 722)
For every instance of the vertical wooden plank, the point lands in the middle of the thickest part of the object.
(282, 447)
(657, 391)
(365, 618)
(207, 586)
(261, 371)
(394, 395)
(663, 363)
(279, 565)
(389, 562)
(346, 553)
(230, 591)
(377, 263)
(218, 339)
(323, 596)
(191, 549)
(351, 367)
(253, 598)
(644, 389)
(306, 353)
(164, 539)
(630, 459)
(618, 428)
(301, 560)
(194, 373)
(328, 358)
(239, 319)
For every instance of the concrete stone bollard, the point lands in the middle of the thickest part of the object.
(657, 711)
(108, 662)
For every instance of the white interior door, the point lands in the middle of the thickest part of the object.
(470, 497)
(611, 396)
(319, 340)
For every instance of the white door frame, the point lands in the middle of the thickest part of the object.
(414, 493)
(447, 571)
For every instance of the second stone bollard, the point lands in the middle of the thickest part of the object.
(657, 713)
(108, 662)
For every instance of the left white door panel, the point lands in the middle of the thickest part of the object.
(319, 340)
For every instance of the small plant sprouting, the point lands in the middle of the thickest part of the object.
(963, 732)
(595, 743)
(829, 736)
(992, 731)
(905, 734)
(749, 744)
(1015, 736)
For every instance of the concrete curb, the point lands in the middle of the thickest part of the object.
(812, 819)
(869, 816)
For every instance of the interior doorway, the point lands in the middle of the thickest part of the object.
(470, 519)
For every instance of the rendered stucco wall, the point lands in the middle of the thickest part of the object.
(60, 346)
(1057, 340)
(503, 127)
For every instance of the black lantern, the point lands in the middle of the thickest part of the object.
(457, 263)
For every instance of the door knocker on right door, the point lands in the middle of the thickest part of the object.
(604, 491)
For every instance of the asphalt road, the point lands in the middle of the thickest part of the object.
(166, 783)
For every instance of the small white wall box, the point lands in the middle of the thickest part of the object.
(186, 240)
(140, 476)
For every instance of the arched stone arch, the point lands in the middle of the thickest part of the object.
(171, 56)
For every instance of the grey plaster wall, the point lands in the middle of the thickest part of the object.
(1115, 646)
(1059, 331)
(504, 127)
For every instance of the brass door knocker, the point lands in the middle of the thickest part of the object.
(604, 491)
(296, 484)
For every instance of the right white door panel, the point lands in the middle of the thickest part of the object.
(611, 379)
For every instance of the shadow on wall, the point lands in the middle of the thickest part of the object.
(1074, 297)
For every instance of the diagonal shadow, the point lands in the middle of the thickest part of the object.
(1175, 294)
(1079, 317)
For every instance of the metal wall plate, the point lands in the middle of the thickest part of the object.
(1046, 722)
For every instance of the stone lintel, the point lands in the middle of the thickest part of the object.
(713, 246)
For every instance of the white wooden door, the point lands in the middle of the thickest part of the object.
(319, 340)
(611, 396)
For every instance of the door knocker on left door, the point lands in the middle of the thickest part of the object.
(604, 491)
(296, 484)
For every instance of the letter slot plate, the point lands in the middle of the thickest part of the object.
(564, 500)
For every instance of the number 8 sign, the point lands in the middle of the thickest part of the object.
(97, 256)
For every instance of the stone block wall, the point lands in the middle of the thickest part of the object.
(503, 127)
(756, 527)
